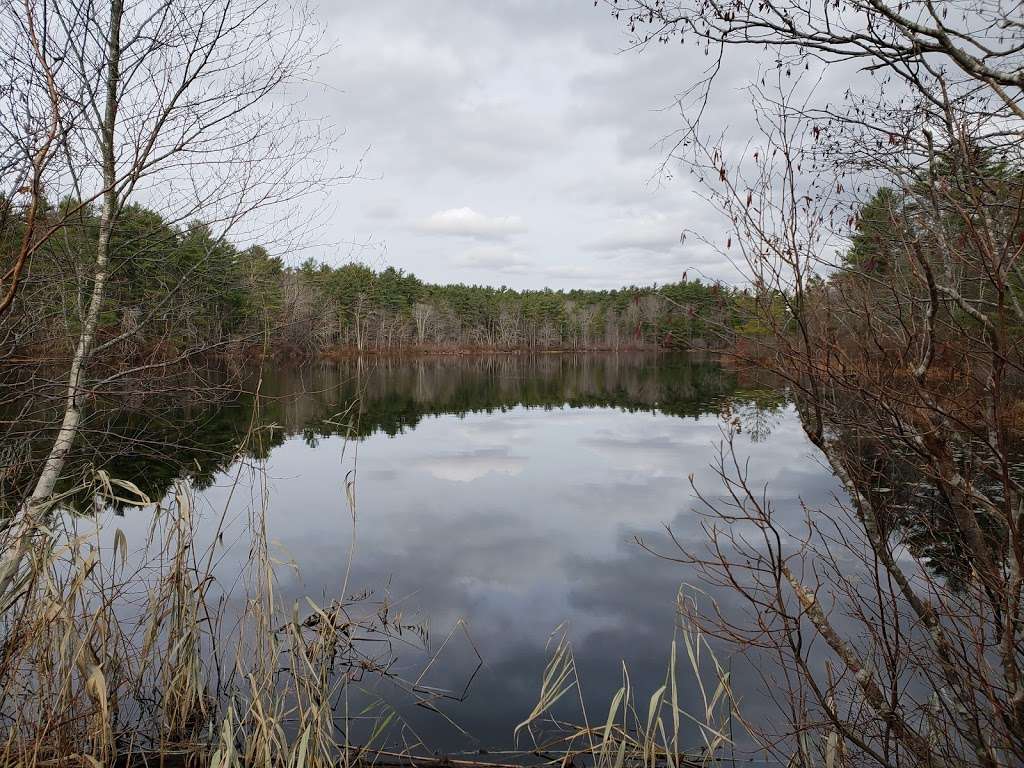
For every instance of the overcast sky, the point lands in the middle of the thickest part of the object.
(510, 142)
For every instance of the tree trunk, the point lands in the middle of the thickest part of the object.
(21, 525)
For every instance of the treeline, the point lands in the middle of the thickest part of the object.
(356, 307)
(174, 289)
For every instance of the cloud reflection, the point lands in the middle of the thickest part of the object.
(467, 466)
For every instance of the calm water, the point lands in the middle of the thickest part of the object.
(502, 495)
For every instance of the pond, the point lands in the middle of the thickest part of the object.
(496, 500)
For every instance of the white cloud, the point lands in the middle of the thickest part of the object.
(465, 222)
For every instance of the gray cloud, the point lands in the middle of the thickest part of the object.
(653, 232)
(495, 258)
(385, 210)
(467, 466)
(476, 119)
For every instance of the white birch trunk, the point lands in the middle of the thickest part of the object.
(22, 525)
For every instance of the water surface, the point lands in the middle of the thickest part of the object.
(501, 496)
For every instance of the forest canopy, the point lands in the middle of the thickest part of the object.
(178, 288)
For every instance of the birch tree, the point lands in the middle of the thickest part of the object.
(182, 104)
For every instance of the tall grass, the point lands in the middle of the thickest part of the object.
(637, 731)
(119, 656)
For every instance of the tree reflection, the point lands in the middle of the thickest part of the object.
(202, 428)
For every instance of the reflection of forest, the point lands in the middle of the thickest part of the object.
(194, 436)
(394, 394)
(902, 487)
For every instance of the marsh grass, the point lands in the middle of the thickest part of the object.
(119, 656)
(639, 730)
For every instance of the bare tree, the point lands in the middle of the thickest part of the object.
(35, 114)
(178, 104)
(902, 356)
(423, 313)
